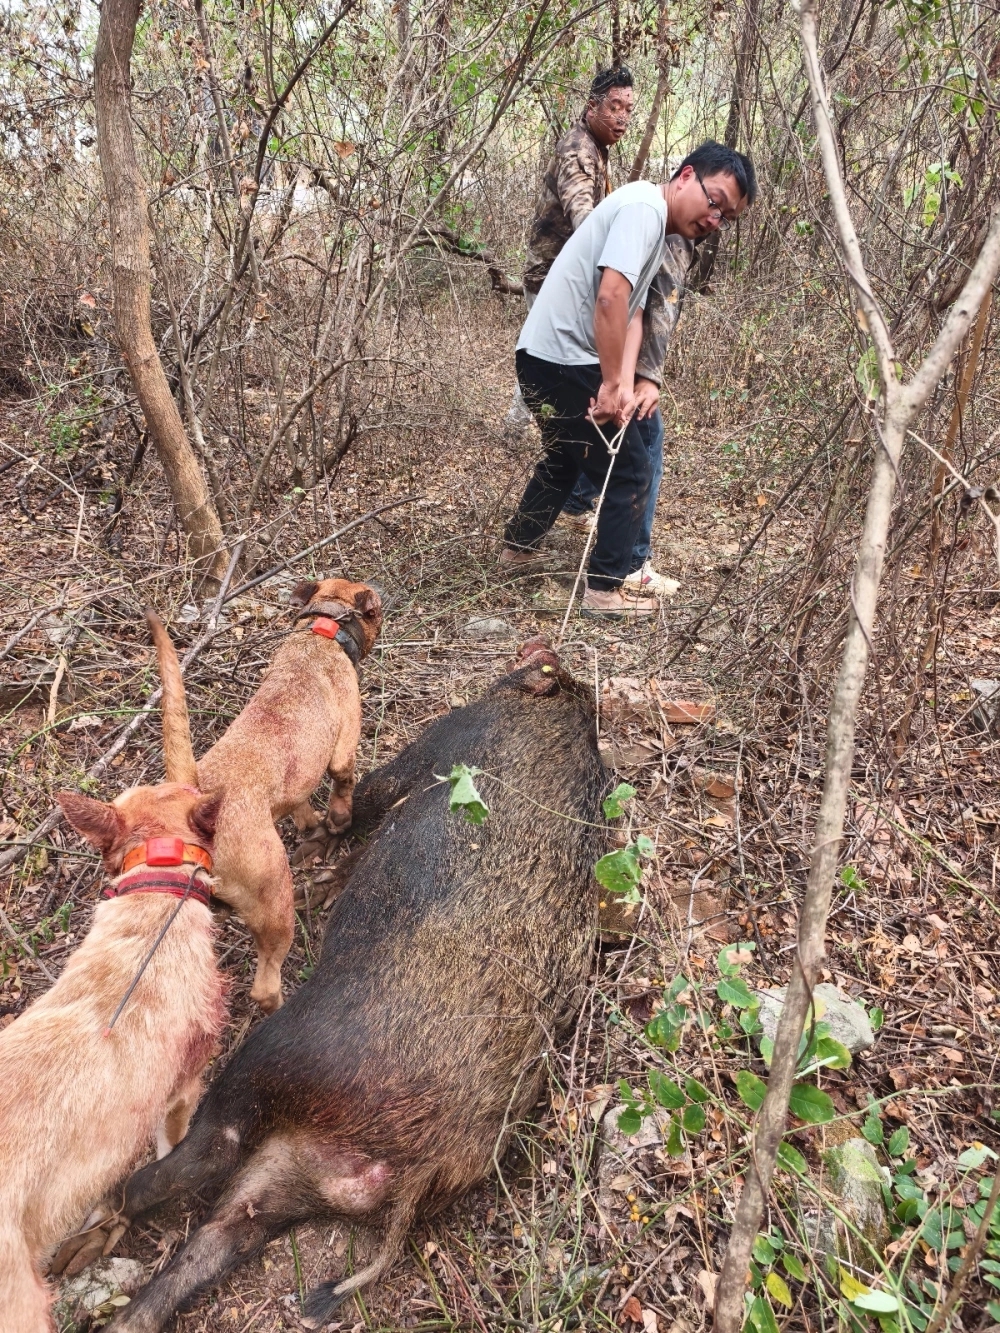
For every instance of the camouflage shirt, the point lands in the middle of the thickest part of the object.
(575, 182)
(663, 308)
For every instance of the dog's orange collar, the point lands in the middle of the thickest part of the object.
(166, 852)
(325, 626)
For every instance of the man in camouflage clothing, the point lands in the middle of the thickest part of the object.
(576, 177)
(575, 181)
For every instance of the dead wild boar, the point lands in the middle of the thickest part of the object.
(455, 955)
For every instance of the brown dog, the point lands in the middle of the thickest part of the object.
(80, 1099)
(304, 720)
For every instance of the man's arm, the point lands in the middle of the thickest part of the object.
(616, 339)
(663, 308)
(577, 177)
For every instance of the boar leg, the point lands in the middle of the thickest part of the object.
(263, 1200)
(205, 1156)
(324, 1299)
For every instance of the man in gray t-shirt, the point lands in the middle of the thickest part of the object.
(626, 233)
(576, 359)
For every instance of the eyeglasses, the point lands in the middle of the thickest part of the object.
(713, 207)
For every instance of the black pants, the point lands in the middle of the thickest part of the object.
(559, 397)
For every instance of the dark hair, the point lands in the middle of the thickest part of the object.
(606, 79)
(715, 159)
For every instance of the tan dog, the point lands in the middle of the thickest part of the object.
(304, 720)
(79, 1103)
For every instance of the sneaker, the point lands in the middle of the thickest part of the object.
(523, 562)
(582, 523)
(646, 580)
(617, 604)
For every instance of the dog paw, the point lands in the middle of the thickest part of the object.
(104, 1230)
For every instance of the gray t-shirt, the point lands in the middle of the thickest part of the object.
(624, 232)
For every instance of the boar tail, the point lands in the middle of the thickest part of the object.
(177, 749)
(324, 1299)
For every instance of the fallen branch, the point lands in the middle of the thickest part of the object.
(440, 235)
(900, 404)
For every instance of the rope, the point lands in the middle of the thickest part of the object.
(146, 961)
(612, 447)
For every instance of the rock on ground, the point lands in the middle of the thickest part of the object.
(482, 627)
(846, 1019)
(102, 1286)
(855, 1179)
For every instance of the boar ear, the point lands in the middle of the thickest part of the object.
(96, 821)
(303, 593)
(205, 815)
(368, 602)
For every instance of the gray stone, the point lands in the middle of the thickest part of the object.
(846, 1019)
(986, 713)
(106, 1283)
(481, 627)
(854, 1177)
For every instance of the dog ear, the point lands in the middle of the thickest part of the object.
(205, 815)
(303, 594)
(368, 603)
(96, 821)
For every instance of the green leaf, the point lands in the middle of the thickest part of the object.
(614, 804)
(749, 1021)
(778, 1288)
(733, 990)
(674, 1144)
(763, 1251)
(872, 1130)
(850, 878)
(791, 1159)
(666, 1091)
(975, 1156)
(645, 846)
(830, 1054)
(877, 1302)
(810, 1104)
(695, 1090)
(876, 1017)
(619, 872)
(694, 1118)
(850, 1286)
(751, 1089)
(866, 373)
(793, 1267)
(664, 1030)
(766, 1050)
(733, 956)
(630, 1121)
(761, 1315)
(464, 795)
(899, 1141)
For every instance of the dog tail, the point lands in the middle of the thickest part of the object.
(177, 748)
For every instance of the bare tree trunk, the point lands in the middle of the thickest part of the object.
(616, 34)
(662, 84)
(901, 402)
(746, 60)
(131, 268)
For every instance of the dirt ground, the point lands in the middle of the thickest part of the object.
(580, 1227)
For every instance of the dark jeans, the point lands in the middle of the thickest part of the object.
(585, 492)
(559, 397)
